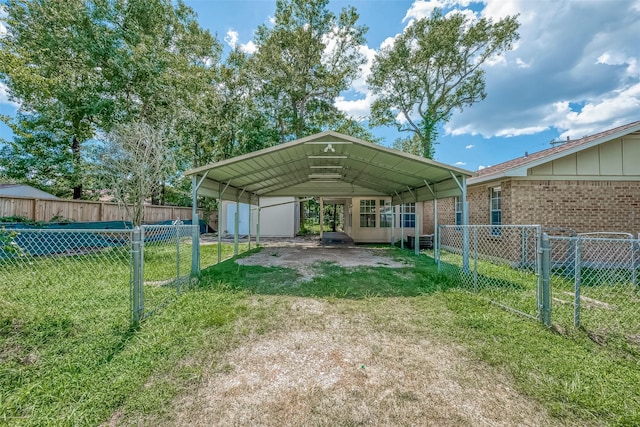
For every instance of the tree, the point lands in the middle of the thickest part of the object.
(78, 68)
(304, 62)
(39, 154)
(48, 62)
(134, 159)
(433, 68)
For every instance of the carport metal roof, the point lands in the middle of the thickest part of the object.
(329, 164)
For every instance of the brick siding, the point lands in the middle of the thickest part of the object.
(583, 206)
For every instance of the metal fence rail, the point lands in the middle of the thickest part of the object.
(500, 262)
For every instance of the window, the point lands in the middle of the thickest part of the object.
(458, 208)
(409, 215)
(367, 213)
(496, 210)
(386, 214)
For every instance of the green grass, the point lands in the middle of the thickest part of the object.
(578, 380)
(69, 357)
(68, 354)
(333, 280)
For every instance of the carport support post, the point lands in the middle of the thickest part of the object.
(402, 224)
(258, 225)
(418, 229)
(321, 217)
(435, 227)
(219, 224)
(195, 231)
(462, 184)
(236, 225)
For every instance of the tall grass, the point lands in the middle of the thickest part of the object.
(68, 354)
(69, 357)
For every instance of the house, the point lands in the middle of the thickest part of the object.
(376, 220)
(23, 190)
(379, 190)
(591, 184)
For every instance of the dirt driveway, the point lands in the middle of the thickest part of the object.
(339, 362)
(302, 254)
(351, 363)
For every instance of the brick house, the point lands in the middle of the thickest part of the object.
(587, 185)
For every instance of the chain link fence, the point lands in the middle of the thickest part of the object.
(501, 262)
(115, 274)
(589, 281)
(594, 283)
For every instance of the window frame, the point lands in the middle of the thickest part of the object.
(495, 210)
(408, 218)
(386, 213)
(367, 212)
(457, 207)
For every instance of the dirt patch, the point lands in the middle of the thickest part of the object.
(330, 365)
(302, 257)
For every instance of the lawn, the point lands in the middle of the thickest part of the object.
(69, 357)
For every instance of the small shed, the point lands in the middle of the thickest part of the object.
(24, 190)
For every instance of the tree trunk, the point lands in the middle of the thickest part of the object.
(75, 149)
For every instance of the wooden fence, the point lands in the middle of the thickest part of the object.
(87, 211)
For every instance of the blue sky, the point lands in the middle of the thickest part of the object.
(575, 70)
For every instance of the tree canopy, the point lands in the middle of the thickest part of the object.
(78, 68)
(303, 63)
(433, 68)
(88, 75)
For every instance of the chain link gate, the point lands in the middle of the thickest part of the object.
(498, 262)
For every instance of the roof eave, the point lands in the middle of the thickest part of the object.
(522, 170)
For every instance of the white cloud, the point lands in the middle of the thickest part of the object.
(4, 96)
(480, 167)
(619, 108)
(423, 8)
(3, 15)
(356, 109)
(460, 163)
(577, 79)
(469, 147)
(249, 47)
(619, 58)
(271, 20)
(388, 42)
(231, 38)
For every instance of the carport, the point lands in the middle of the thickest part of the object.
(330, 164)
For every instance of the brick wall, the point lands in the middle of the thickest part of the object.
(583, 206)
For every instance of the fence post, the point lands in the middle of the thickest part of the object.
(177, 231)
(635, 250)
(475, 260)
(437, 246)
(137, 300)
(545, 282)
(524, 237)
(577, 279)
(195, 249)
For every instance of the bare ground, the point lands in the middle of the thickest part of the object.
(303, 257)
(339, 363)
(372, 362)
